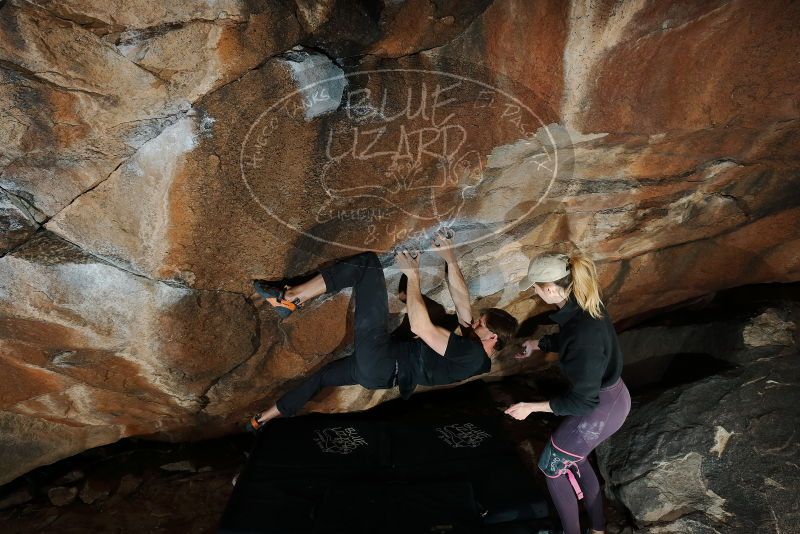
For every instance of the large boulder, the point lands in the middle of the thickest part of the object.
(173, 151)
(716, 455)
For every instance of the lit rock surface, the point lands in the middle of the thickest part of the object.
(172, 154)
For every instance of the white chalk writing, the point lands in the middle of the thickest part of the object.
(462, 435)
(338, 440)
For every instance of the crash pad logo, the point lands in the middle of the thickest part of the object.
(462, 435)
(371, 159)
(338, 440)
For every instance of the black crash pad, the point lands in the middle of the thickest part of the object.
(352, 474)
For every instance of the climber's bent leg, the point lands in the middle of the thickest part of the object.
(336, 373)
(373, 364)
(342, 274)
(375, 361)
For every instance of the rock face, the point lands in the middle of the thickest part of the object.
(62, 496)
(158, 156)
(94, 353)
(16, 222)
(716, 455)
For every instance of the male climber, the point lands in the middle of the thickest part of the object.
(436, 357)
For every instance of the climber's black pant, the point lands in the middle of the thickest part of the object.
(373, 363)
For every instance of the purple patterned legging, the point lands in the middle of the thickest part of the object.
(579, 435)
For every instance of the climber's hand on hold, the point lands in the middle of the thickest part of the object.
(408, 262)
(442, 246)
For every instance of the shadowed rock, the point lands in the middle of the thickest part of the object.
(716, 453)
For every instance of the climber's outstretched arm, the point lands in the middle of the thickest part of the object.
(443, 247)
(434, 336)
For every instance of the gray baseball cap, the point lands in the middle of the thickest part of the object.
(545, 268)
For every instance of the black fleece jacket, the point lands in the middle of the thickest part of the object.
(589, 356)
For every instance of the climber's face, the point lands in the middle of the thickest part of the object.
(549, 292)
(481, 332)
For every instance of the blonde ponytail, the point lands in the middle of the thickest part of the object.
(584, 285)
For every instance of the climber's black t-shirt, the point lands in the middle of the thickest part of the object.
(463, 358)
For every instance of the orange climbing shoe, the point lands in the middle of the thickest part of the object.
(254, 425)
(275, 298)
